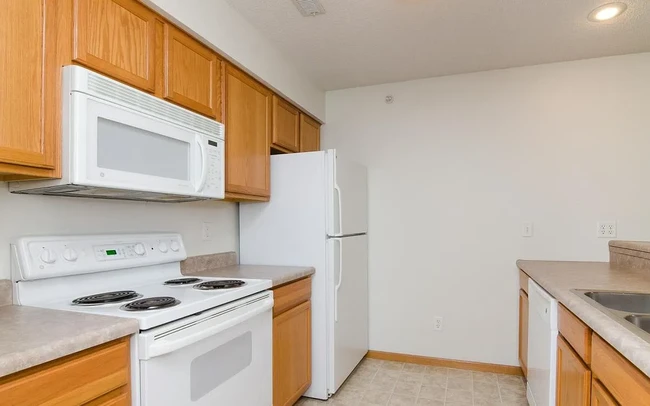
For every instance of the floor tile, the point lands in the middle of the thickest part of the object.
(435, 380)
(430, 402)
(510, 380)
(487, 402)
(411, 377)
(420, 369)
(456, 396)
(484, 377)
(401, 400)
(436, 371)
(375, 398)
(392, 365)
(459, 372)
(432, 392)
(486, 390)
(407, 388)
(459, 382)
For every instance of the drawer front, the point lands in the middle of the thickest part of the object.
(575, 332)
(624, 381)
(72, 380)
(600, 396)
(291, 295)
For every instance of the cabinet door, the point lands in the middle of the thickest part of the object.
(309, 134)
(523, 331)
(573, 377)
(35, 40)
(192, 73)
(248, 131)
(291, 354)
(117, 38)
(286, 125)
(600, 396)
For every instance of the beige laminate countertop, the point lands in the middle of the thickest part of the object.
(558, 278)
(30, 336)
(279, 275)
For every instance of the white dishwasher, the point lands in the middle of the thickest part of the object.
(542, 346)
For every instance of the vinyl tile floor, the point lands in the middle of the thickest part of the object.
(376, 382)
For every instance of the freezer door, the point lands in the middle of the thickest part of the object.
(349, 313)
(348, 197)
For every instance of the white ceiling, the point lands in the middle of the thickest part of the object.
(366, 42)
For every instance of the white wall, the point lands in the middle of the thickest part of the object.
(40, 215)
(457, 164)
(229, 33)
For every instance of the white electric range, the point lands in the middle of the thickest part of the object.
(202, 340)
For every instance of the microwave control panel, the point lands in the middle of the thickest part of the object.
(214, 184)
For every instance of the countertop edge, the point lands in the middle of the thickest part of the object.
(277, 274)
(11, 363)
(620, 338)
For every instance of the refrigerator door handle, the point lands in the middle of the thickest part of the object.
(338, 285)
(340, 200)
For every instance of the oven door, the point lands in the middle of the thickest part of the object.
(120, 148)
(219, 357)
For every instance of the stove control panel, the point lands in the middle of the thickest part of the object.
(47, 257)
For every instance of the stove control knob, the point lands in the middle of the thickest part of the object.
(70, 255)
(175, 246)
(48, 256)
(139, 249)
(163, 247)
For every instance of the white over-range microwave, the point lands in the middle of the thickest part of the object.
(121, 143)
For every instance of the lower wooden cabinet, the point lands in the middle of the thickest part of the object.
(573, 377)
(99, 376)
(600, 396)
(291, 342)
(523, 331)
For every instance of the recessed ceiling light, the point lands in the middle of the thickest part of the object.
(607, 12)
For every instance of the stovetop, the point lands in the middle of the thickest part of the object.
(189, 300)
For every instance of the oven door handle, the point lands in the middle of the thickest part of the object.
(171, 343)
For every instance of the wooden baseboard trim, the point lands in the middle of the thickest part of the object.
(447, 363)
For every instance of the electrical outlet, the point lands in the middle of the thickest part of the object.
(527, 229)
(606, 229)
(207, 231)
(437, 323)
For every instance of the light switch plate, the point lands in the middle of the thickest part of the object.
(527, 229)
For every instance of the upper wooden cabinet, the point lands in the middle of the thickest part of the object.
(192, 73)
(117, 38)
(35, 42)
(309, 134)
(286, 125)
(248, 132)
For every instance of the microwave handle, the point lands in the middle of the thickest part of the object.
(204, 163)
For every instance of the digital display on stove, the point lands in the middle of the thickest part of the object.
(111, 252)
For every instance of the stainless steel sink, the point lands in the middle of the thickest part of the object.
(630, 309)
(641, 321)
(622, 301)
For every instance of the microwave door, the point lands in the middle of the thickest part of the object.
(125, 149)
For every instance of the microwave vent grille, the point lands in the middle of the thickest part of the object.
(128, 97)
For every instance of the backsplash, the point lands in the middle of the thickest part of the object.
(629, 254)
(203, 263)
(6, 293)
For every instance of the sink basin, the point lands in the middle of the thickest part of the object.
(642, 322)
(621, 301)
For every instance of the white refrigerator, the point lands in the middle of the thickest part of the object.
(318, 216)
